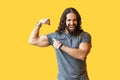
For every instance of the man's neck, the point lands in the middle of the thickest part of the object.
(66, 31)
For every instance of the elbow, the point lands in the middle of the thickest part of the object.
(82, 58)
(84, 55)
(31, 42)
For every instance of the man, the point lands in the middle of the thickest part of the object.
(71, 43)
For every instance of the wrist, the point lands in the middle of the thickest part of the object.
(60, 46)
(39, 24)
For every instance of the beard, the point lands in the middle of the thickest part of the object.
(71, 32)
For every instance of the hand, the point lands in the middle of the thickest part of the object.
(43, 21)
(56, 44)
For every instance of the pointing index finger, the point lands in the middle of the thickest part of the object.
(54, 39)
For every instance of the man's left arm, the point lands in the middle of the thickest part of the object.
(80, 53)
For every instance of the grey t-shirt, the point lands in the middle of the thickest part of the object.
(70, 68)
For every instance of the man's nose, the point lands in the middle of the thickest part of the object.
(71, 22)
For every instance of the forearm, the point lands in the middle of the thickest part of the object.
(76, 53)
(34, 34)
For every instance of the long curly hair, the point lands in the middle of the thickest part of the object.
(62, 23)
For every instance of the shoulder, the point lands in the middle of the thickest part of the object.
(51, 34)
(86, 37)
(85, 33)
(55, 34)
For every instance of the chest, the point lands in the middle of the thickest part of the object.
(71, 41)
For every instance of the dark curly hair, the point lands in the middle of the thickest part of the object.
(62, 23)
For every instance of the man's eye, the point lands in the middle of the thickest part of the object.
(68, 20)
(74, 20)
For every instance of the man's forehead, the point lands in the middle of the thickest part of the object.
(71, 15)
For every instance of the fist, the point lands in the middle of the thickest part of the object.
(44, 21)
(56, 44)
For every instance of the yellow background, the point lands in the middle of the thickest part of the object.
(21, 61)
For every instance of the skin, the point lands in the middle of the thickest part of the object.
(71, 22)
(42, 40)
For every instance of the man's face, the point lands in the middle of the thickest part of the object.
(71, 22)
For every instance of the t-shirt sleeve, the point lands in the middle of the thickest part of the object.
(86, 37)
(49, 36)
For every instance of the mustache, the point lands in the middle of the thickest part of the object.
(72, 25)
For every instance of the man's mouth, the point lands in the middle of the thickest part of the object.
(72, 27)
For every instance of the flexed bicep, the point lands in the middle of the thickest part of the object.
(37, 40)
(42, 41)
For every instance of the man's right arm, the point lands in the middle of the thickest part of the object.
(37, 40)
